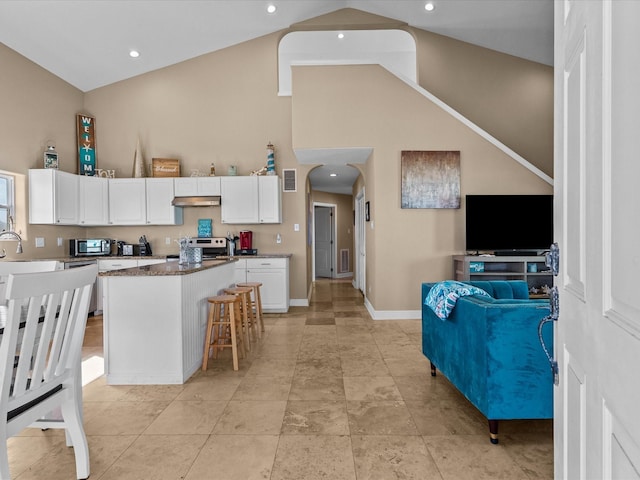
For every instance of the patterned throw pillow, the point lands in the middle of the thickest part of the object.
(443, 296)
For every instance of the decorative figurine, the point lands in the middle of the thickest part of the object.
(271, 163)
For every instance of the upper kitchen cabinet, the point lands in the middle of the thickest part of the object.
(269, 199)
(250, 200)
(159, 194)
(93, 206)
(127, 201)
(196, 186)
(53, 197)
(239, 199)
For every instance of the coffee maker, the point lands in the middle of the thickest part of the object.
(246, 240)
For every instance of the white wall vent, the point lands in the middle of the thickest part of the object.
(289, 180)
(344, 260)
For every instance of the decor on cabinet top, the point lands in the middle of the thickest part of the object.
(165, 167)
(86, 136)
(139, 167)
(430, 179)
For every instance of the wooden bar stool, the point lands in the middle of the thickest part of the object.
(223, 322)
(248, 323)
(256, 303)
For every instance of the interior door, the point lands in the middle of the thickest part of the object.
(360, 249)
(323, 220)
(597, 226)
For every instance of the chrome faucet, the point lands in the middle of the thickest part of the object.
(11, 234)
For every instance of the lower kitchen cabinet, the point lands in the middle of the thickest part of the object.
(273, 273)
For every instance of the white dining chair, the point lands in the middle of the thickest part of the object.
(40, 357)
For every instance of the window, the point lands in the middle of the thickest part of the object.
(6, 200)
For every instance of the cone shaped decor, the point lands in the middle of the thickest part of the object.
(138, 162)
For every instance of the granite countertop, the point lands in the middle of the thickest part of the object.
(166, 268)
(260, 255)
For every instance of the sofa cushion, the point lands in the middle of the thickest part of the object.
(503, 288)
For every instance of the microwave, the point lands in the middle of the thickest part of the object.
(85, 247)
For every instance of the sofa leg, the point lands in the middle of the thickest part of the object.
(493, 431)
(433, 369)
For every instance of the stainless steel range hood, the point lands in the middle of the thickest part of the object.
(212, 201)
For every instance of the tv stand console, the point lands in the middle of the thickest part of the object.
(530, 268)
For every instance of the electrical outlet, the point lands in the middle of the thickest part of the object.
(296, 227)
(167, 241)
(39, 242)
(59, 241)
(278, 239)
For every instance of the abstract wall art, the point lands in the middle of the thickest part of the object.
(430, 179)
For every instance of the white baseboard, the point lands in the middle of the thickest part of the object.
(392, 314)
(299, 302)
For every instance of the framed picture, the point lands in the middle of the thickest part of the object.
(367, 215)
(430, 179)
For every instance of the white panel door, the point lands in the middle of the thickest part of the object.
(597, 226)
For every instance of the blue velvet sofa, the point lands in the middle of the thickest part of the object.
(489, 349)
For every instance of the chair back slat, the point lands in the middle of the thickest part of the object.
(47, 313)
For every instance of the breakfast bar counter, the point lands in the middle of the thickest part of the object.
(155, 319)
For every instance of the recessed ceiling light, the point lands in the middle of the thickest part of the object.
(429, 7)
(271, 8)
(333, 174)
(341, 35)
(134, 54)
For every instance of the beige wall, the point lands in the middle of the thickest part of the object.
(36, 106)
(367, 106)
(509, 97)
(223, 108)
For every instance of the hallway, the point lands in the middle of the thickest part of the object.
(327, 393)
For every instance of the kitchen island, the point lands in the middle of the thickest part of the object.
(155, 319)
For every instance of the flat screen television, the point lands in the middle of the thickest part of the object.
(509, 224)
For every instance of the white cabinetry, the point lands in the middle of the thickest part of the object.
(240, 275)
(269, 199)
(127, 201)
(93, 205)
(53, 197)
(252, 199)
(274, 275)
(196, 186)
(239, 199)
(159, 194)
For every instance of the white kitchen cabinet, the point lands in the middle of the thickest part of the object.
(252, 199)
(269, 199)
(240, 275)
(239, 200)
(93, 205)
(273, 273)
(159, 194)
(196, 186)
(53, 197)
(127, 201)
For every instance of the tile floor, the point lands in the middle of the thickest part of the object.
(327, 394)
